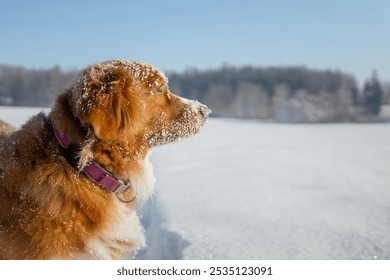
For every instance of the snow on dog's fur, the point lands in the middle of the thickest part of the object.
(6, 129)
(114, 114)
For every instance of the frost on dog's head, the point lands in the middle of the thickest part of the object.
(129, 99)
(99, 97)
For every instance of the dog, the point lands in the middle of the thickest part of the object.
(71, 180)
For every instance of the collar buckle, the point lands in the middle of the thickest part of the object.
(124, 186)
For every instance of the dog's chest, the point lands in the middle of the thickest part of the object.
(122, 237)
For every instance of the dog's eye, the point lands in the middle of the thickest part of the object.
(159, 89)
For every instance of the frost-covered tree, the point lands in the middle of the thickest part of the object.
(304, 107)
(372, 95)
(219, 98)
(251, 101)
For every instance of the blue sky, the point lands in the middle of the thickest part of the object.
(348, 35)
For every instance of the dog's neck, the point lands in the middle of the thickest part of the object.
(94, 171)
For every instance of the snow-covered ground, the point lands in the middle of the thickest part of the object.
(251, 190)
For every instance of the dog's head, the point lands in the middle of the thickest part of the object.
(125, 99)
(116, 111)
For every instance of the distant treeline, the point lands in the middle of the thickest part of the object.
(284, 94)
(32, 87)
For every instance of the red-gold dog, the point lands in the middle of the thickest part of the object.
(70, 181)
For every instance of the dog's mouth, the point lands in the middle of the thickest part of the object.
(188, 122)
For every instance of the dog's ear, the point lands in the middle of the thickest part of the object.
(106, 118)
(100, 99)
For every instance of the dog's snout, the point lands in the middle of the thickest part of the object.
(196, 107)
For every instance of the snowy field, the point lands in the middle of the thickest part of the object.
(251, 190)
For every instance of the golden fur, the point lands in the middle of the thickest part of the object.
(114, 114)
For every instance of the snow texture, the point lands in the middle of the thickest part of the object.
(251, 190)
(103, 76)
(138, 71)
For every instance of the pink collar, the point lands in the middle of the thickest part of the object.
(94, 171)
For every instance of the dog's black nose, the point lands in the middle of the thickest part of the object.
(204, 110)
